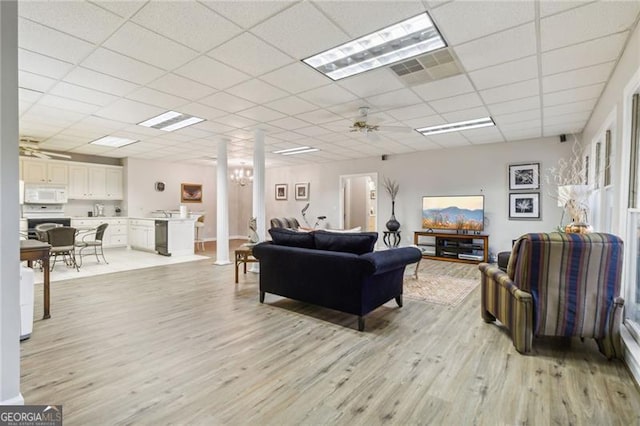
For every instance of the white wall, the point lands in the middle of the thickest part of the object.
(480, 169)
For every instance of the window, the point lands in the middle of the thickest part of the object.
(586, 170)
(635, 141)
(598, 159)
(607, 158)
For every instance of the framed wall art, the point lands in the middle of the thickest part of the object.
(190, 193)
(524, 176)
(281, 191)
(524, 205)
(302, 191)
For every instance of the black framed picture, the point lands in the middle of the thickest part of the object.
(524, 205)
(302, 191)
(281, 191)
(524, 176)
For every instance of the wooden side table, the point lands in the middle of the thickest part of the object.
(31, 250)
(244, 255)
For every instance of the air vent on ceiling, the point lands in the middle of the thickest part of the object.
(430, 67)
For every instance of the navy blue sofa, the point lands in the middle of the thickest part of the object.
(334, 270)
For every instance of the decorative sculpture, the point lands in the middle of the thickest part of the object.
(253, 234)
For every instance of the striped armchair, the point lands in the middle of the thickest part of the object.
(558, 284)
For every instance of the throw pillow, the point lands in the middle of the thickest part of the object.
(356, 243)
(290, 238)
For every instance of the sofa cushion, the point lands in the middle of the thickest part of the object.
(289, 238)
(356, 243)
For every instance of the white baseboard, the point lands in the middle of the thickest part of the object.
(231, 237)
(631, 353)
(16, 400)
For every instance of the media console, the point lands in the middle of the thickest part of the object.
(467, 248)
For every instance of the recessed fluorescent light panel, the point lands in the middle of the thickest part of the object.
(170, 121)
(298, 150)
(113, 141)
(457, 127)
(412, 37)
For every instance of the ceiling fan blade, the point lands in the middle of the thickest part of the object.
(55, 154)
(40, 155)
(397, 129)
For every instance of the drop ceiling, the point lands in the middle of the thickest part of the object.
(96, 68)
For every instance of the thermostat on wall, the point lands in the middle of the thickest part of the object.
(159, 186)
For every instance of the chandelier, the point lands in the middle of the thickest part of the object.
(241, 176)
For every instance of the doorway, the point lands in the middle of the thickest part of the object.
(359, 201)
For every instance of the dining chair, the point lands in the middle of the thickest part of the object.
(93, 239)
(199, 224)
(41, 230)
(62, 240)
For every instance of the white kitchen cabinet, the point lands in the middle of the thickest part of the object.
(142, 234)
(95, 182)
(116, 234)
(43, 171)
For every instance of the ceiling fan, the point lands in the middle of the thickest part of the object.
(361, 125)
(30, 148)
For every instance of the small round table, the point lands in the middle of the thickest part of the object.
(391, 238)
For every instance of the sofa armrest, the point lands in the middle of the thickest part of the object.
(388, 260)
(502, 279)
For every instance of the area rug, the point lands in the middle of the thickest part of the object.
(439, 289)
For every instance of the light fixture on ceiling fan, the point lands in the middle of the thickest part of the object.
(29, 147)
(363, 126)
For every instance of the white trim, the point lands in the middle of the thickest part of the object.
(16, 400)
(631, 353)
(341, 185)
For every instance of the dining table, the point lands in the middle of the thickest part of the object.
(31, 250)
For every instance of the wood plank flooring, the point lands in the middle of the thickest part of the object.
(181, 344)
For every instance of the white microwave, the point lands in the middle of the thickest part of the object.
(45, 194)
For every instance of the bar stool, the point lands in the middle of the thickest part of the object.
(199, 225)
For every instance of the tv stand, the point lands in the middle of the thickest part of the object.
(465, 248)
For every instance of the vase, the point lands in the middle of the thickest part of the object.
(578, 228)
(392, 224)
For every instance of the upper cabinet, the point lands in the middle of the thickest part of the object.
(39, 171)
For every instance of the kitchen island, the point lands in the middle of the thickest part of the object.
(171, 236)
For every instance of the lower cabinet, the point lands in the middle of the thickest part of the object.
(116, 234)
(142, 234)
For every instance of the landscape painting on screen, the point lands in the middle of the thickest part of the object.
(464, 212)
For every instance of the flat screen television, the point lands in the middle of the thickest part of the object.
(459, 213)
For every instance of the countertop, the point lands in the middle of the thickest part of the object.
(167, 219)
(98, 217)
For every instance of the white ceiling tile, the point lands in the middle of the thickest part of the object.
(257, 56)
(82, 94)
(27, 95)
(180, 86)
(582, 106)
(587, 22)
(572, 95)
(393, 100)
(327, 96)
(497, 48)
(123, 8)
(313, 131)
(129, 111)
(560, 129)
(289, 123)
(510, 72)
(553, 119)
(291, 105)
(511, 127)
(456, 103)
(120, 66)
(98, 81)
(483, 135)
(262, 114)
(509, 92)
(27, 80)
(583, 55)
(319, 116)
(149, 47)
(189, 23)
(449, 140)
(247, 13)
(464, 21)
(372, 83)
(445, 88)
(517, 105)
(43, 65)
(517, 117)
(68, 104)
(466, 114)
(212, 73)
(300, 31)
(40, 39)
(257, 91)
(227, 102)
(520, 134)
(552, 7)
(576, 78)
(81, 19)
(296, 78)
(96, 124)
(288, 136)
(376, 14)
(414, 111)
(416, 123)
(154, 97)
(202, 111)
(237, 121)
(52, 116)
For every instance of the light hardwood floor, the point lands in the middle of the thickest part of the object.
(181, 344)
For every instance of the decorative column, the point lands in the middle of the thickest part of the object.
(259, 184)
(9, 209)
(222, 207)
